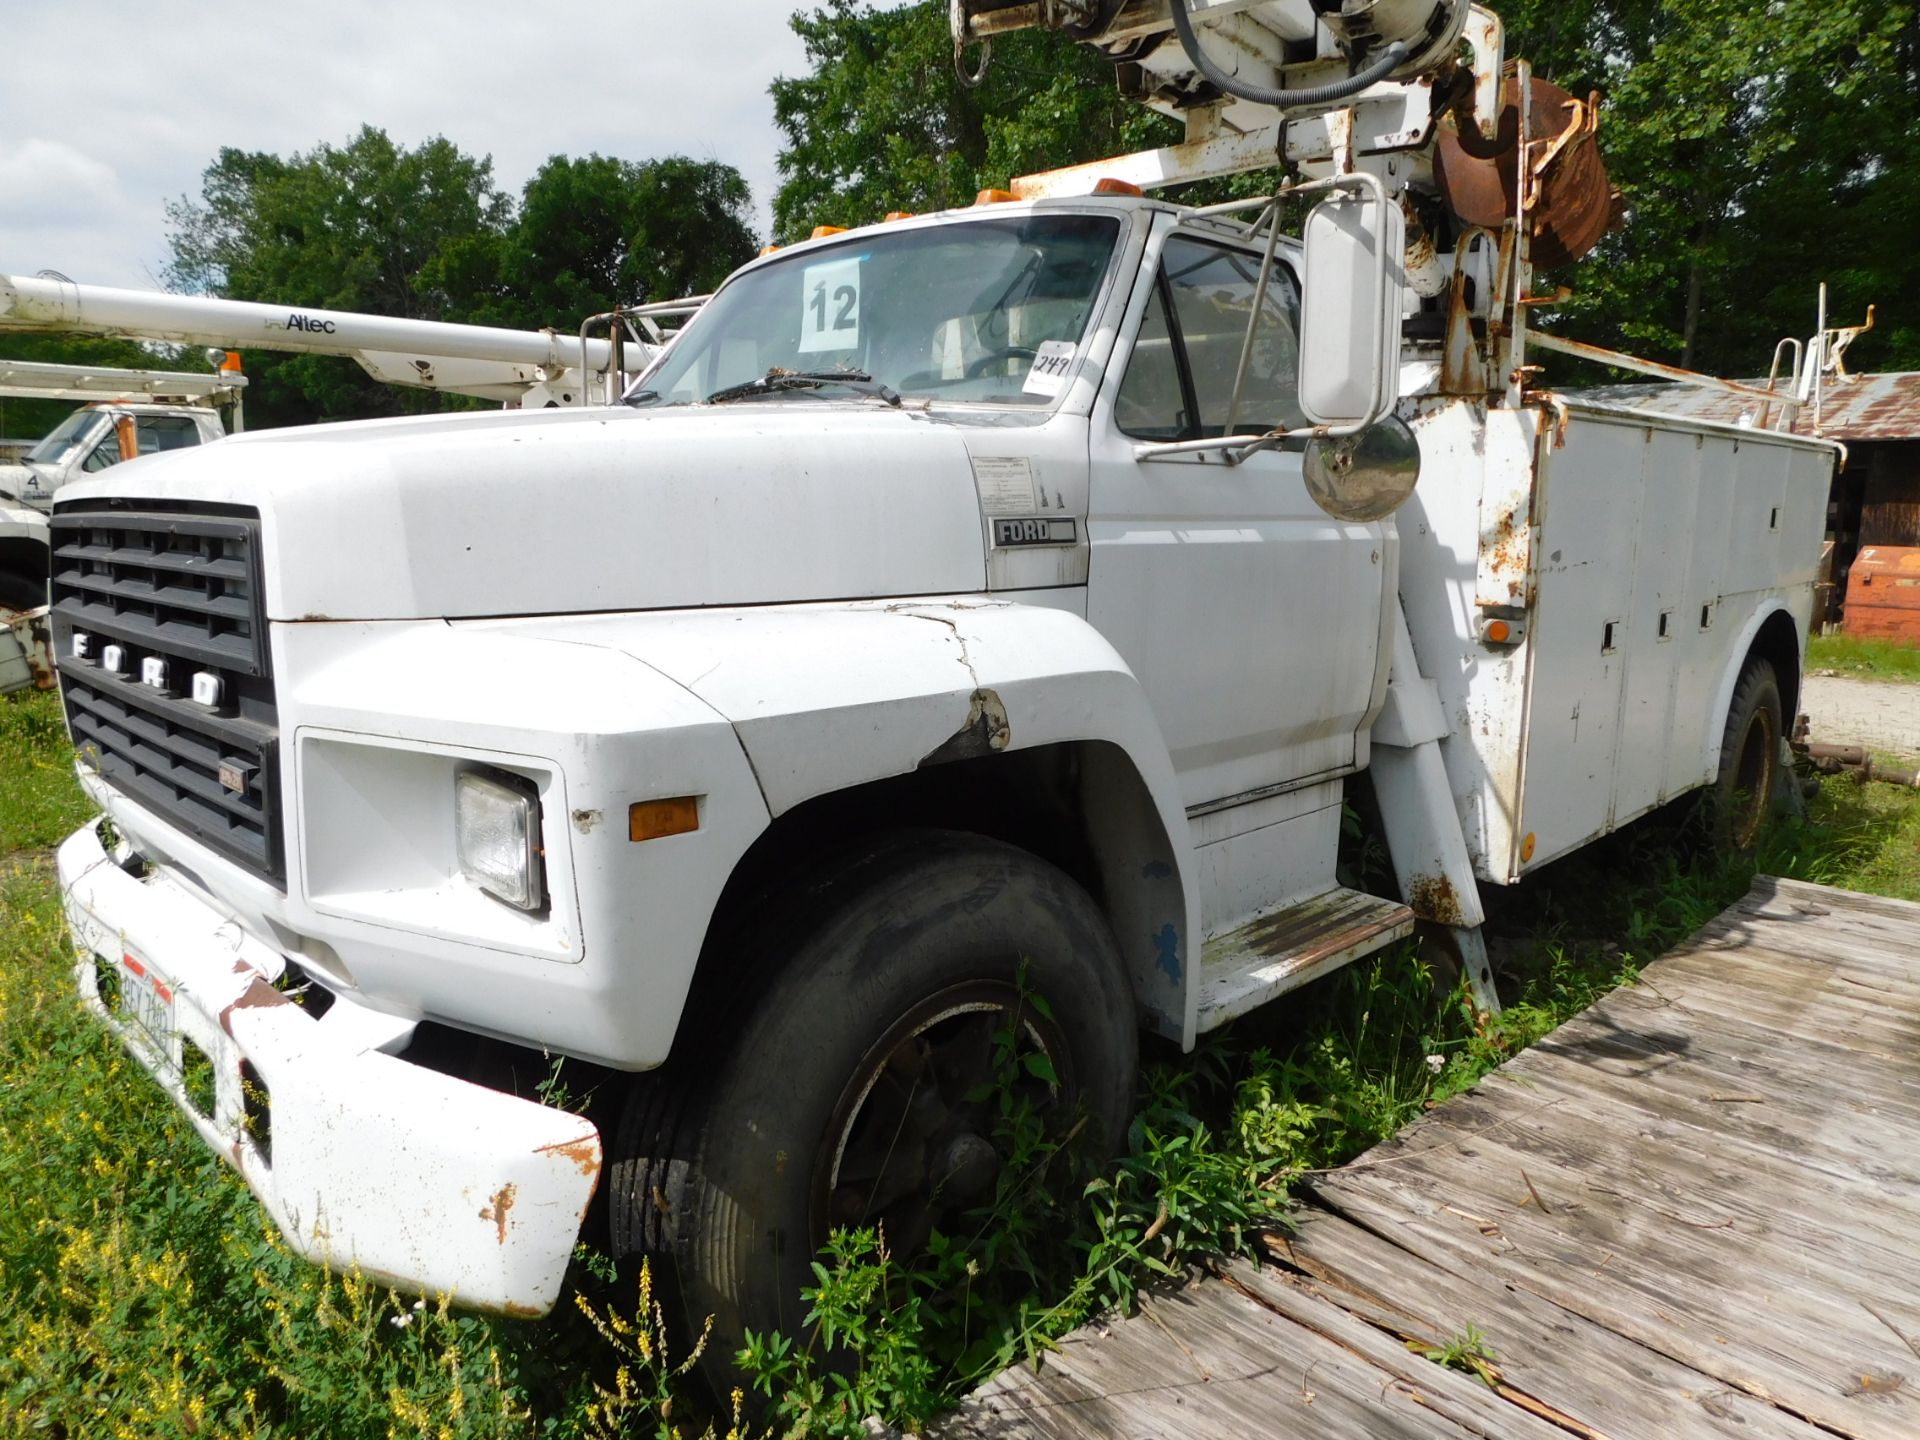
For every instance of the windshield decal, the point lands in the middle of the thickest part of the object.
(1048, 373)
(830, 306)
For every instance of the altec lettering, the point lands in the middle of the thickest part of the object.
(297, 321)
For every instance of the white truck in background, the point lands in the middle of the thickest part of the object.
(128, 413)
(131, 413)
(967, 608)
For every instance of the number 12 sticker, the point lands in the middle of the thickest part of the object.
(1051, 362)
(830, 306)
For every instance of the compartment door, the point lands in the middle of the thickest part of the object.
(1587, 507)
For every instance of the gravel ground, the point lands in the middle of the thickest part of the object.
(1880, 714)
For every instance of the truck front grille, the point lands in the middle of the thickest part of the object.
(175, 592)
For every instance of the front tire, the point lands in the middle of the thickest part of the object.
(1742, 796)
(840, 1093)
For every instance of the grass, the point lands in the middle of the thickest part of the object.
(1874, 659)
(141, 1293)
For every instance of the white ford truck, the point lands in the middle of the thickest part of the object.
(974, 607)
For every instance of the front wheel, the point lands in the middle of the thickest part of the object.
(1742, 794)
(856, 1089)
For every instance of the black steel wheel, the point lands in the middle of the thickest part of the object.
(855, 1087)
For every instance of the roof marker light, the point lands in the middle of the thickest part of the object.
(1110, 186)
(820, 232)
(995, 197)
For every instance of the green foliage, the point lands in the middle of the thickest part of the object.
(40, 802)
(596, 232)
(881, 123)
(1467, 1352)
(1760, 149)
(424, 233)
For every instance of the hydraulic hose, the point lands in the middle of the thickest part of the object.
(1389, 60)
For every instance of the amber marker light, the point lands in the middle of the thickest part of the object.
(651, 819)
(995, 197)
(893, 215)
(820, 232)
(1498, 631)
(1111, 186)
(1526, 848)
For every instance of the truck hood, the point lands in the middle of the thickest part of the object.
(571, 511)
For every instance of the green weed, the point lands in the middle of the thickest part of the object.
(1852, 655)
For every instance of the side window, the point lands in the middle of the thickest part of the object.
(1179, 382)
(165, 432)
(106, 453)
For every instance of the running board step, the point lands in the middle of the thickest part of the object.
(1268, 956)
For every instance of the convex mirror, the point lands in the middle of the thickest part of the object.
(1366, 476)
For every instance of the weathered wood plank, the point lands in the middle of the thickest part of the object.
(1692, 1212)
(1601, 1379)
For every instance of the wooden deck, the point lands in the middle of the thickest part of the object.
(1692, 1211)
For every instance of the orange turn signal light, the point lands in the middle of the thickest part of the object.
(820, 232)
(995, 197)
(651, 819)
(1111, 186)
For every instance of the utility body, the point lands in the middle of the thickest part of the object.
(973, 621)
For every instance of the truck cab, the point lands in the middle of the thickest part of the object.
(98, 436)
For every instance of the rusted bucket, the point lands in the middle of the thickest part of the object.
(1576, 204)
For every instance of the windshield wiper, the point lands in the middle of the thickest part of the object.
(776, 380)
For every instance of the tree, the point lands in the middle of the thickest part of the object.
(882, 122)
(424, 233)
(1760, 149)
(597, 232)
(366, 226)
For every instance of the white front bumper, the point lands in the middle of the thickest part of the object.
(365, 1161)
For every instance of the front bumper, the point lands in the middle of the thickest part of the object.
(363, 1159)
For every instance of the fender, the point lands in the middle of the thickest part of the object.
(828, 697)
(1769, 604)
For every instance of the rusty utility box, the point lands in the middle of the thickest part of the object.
(1883, 594)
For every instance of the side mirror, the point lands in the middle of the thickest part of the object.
(1366, 476)
(1353, 286)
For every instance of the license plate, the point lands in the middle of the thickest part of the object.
(147, 1000)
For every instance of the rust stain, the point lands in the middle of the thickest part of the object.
(522, 1312)
(496, 1210)
(1432, 897)
(584, 1152)
(258, 995)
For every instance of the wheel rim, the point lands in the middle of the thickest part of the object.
(906, 1148)
(1753, 776)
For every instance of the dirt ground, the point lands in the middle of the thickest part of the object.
(1882, 715)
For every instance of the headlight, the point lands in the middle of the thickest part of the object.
(496, 820)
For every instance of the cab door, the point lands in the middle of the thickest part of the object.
(1250, 616)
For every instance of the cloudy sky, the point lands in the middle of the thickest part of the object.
(110, 109)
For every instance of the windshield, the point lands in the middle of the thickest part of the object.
(988, 311)
(64, 438)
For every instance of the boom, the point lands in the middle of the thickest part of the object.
(519, 367)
